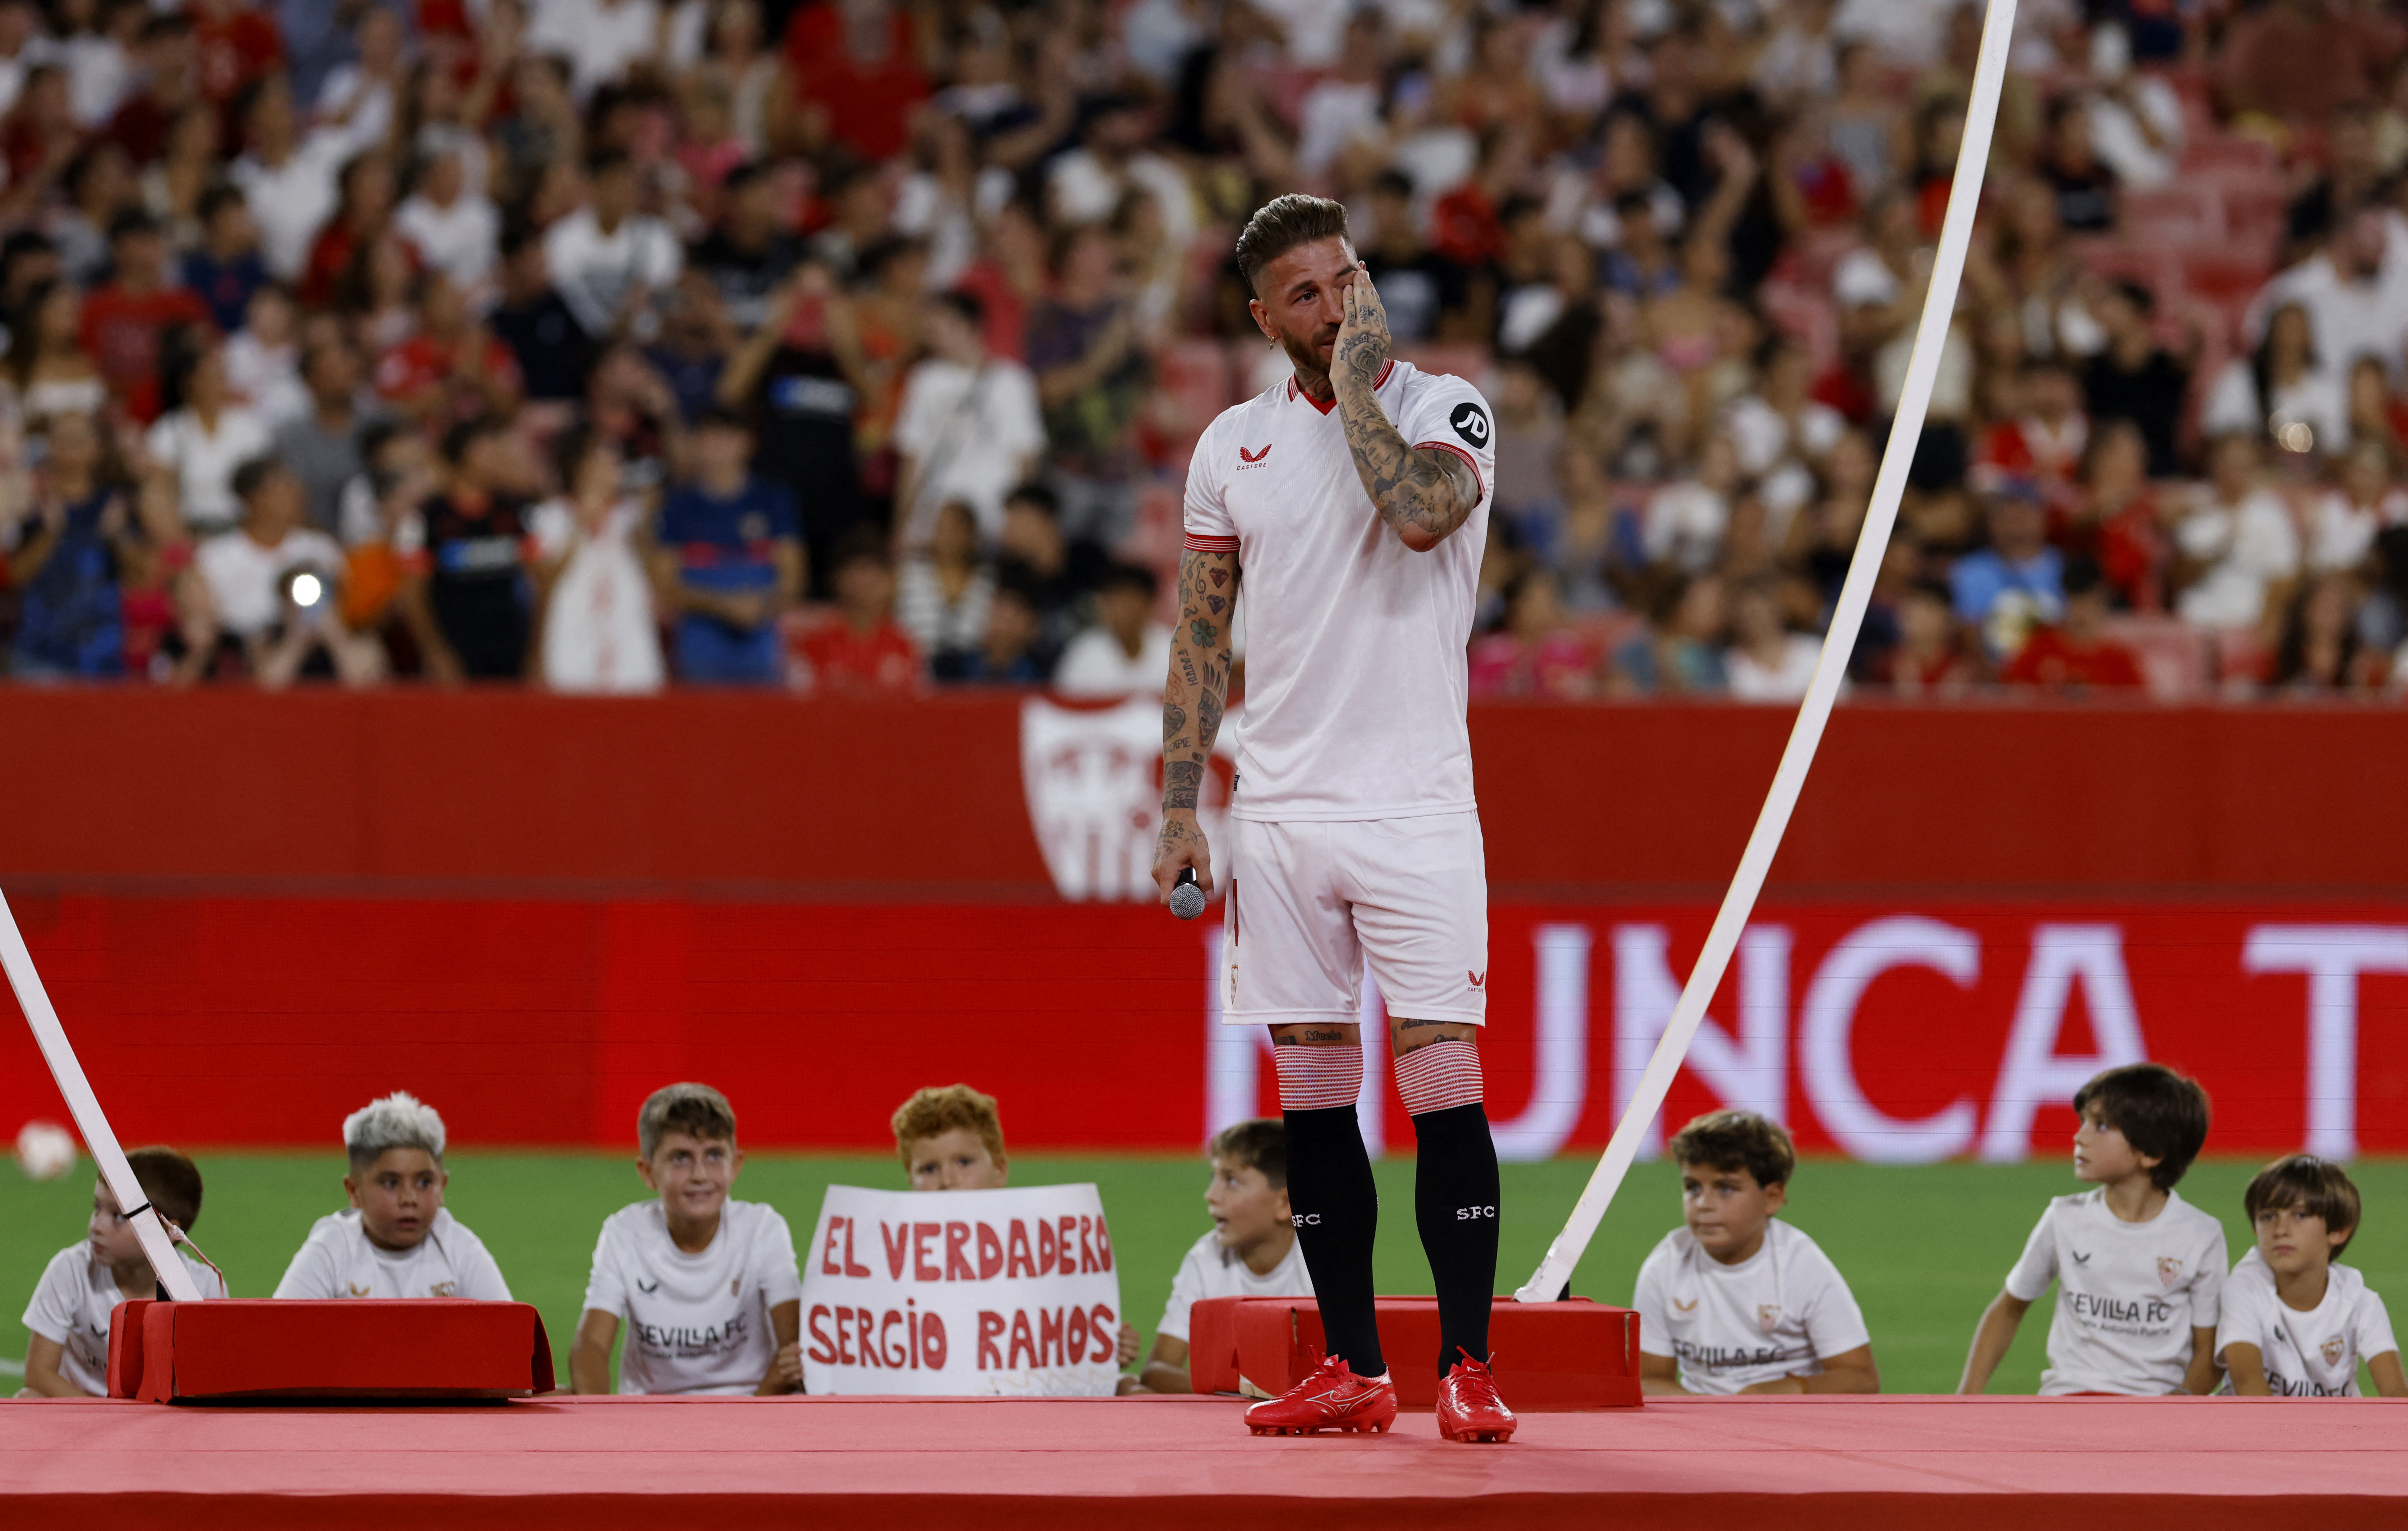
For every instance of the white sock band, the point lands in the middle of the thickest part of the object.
(1438, 1077)
(1317, 1078)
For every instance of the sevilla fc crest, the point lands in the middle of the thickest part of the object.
(2332, 1349)
(1768, 1316)
(2169, 1270)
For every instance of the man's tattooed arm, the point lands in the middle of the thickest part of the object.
(1425, 494)
(1194, 694)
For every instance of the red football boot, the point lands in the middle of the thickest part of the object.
(1332, 1398)
(1467, 1405)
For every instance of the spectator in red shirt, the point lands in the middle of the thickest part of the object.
(2076, 654)
(122, 322)
(451, 368)
(233, 44)
(2045, 439)
(1929, 659)
(2114, 520)
(364, 208)
(855, 74)
(171, 83)
(41, 136)
(864, 651)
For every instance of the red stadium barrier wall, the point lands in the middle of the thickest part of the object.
(256, 912)
(506, 793)
(1884, 1031)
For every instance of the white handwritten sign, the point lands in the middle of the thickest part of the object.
(961, 1293)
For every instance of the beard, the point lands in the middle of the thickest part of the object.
(1305, 352)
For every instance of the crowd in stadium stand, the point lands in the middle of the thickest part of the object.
(859, 345)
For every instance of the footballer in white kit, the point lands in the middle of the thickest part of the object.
(1350, 502)
(696, 1324)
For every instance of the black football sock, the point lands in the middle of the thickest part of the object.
(1337, 1207)
(1454, 1201)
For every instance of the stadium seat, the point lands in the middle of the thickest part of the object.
(2173, 654)
(2229, 151)
(2224, 277)
(2186, 213)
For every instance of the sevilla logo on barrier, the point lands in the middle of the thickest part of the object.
(1094, 781)
(1011, 1293)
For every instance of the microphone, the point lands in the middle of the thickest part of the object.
(1186, 898)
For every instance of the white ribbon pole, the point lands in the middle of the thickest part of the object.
(89, 1118)
(1906, 431)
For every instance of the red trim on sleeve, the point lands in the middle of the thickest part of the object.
(1211, 544)
(1386, 368)
(1449, 446)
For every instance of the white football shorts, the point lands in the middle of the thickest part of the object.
(1309, 901)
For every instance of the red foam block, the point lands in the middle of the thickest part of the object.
(1548, 1357)
(163, 1352)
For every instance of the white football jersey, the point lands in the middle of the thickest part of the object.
(2128, 1293)
(1355, 678)
(1774, 1314)
(73, 1301)
(337, 1261)
(2314, 1355)
(693, 1322)
(1211, 1270)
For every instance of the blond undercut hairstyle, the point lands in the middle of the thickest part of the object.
(937, 1111)
(697, 1110)
(1281, 225)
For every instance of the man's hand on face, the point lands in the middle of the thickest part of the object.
(1363, 339)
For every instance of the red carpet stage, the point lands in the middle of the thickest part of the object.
(1782, 1464)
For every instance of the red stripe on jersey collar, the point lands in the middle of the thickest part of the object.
(1377, 383)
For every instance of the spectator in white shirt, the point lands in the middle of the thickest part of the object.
(1766, 661)
(274, 584)
(599, 631)
(602, 38)
(290, 181)
(360, 97)
(204, 436)
(2280, 390)
(1343, 109)
(263, 362)
(2342, 527)
(2239, 549)
(100, 61)
(1685, 520)
(608, 260)
(1128, 650)
(969, 427)
(2354, 292)
(1086, 184)
(453, 229)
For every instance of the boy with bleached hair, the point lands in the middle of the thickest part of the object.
(395, 1241)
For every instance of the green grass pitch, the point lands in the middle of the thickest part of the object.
(1923, 1247)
